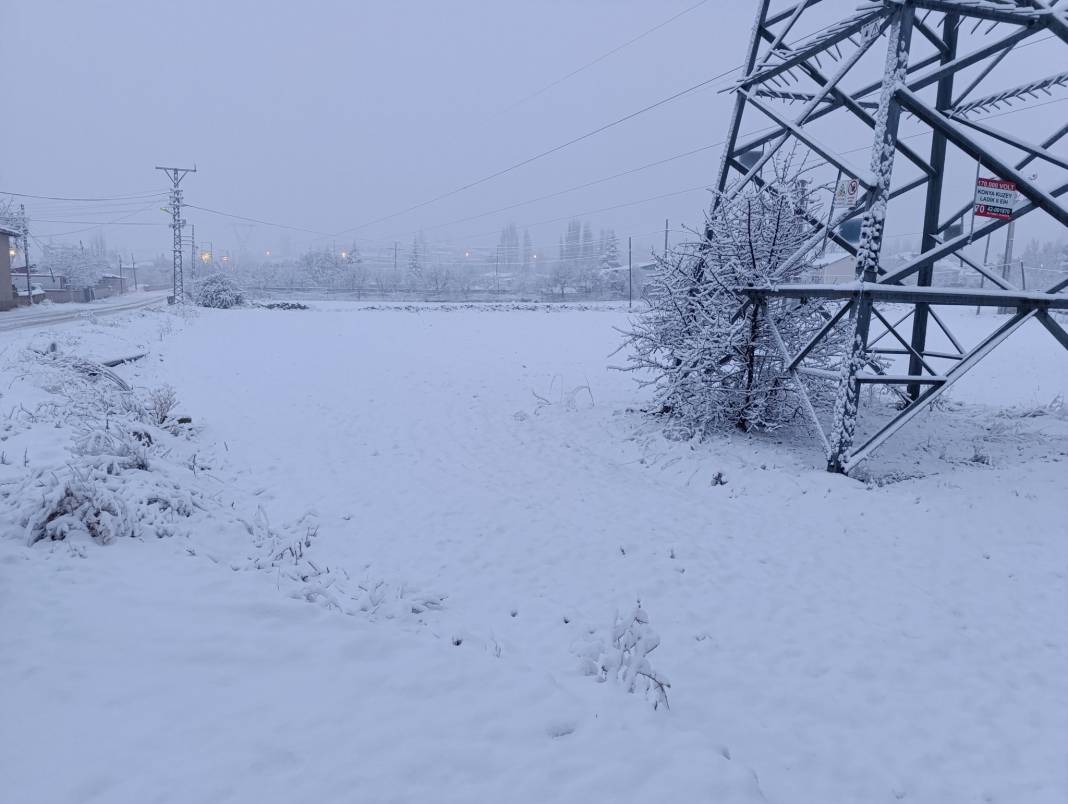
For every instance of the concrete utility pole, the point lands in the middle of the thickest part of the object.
(630, 271)
(121, 289)
(133, 267)
(24, 227)
(176, 175)
(665, 238)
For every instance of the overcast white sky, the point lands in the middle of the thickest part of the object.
(327, 114)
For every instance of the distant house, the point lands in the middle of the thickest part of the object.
(834, 267)
(110, 285)
(7, 294)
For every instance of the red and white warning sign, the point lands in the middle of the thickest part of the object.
(845, 193)
(995, 198)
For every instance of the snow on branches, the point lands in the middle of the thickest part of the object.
(704, 347)
(625, 658)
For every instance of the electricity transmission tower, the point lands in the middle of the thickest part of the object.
(176, 175)
(938, 63)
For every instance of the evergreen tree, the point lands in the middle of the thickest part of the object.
(610, 250)
(587, 260)
(610, 276)
(415, 265)
(528, 251)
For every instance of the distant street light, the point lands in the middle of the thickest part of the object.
(344, 255)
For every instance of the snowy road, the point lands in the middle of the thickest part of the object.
(825, 641)
(36, 317)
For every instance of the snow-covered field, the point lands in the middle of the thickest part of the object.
(391, 540)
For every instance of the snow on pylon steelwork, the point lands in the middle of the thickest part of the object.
(942, 68)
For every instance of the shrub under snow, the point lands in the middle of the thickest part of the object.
(219, 290)
(714, 362)
(626, 657)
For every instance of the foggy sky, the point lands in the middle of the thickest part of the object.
(326, 114)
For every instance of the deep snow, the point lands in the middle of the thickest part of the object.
(826, 640)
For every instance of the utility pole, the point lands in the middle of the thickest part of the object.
(192, 250)
(1010, 234)
(665, 238)
(121, 282)
(24, 228)
(630, 271)
(133, 266)
(176, 175)
(986, 264)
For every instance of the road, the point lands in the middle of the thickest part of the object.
(27, 318)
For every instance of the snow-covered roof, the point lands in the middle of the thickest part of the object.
(830, 258)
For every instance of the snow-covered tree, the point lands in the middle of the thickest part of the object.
(714, 364)
(509, 250)
(220, 291)
(415, 265)
(353, 267)
(611, 277)
(81, 268)
(528, 251)
(587, 259)
(321, 268)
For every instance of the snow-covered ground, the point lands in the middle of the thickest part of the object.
(51, 313)
(407, 526)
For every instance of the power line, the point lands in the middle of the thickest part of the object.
(600, 58)
(65, 198)
(545, 153)
(713, 145)
(602, 209)
(257, 220)
(116, 222)
(557, 148)
(575, 188)
(120, 221)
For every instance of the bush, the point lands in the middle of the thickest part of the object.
(219, 291)
(626, 657)
(88, 503)
(710, 355)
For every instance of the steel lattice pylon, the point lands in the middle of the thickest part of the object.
(930, 46)
(176, 175)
